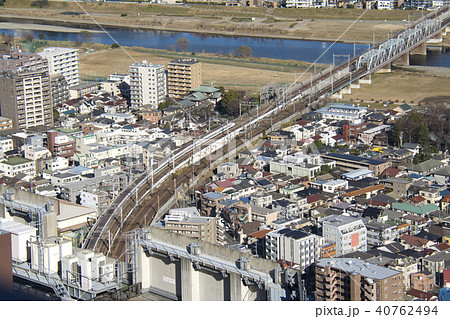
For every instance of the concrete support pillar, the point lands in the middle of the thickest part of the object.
(143, 268)
(355, 85)
(385, 69)
(189, 281)
(347, 90)
(421, 49)
(403, 59)
(337, 95)
(238, 291)
(366, 80)
(435, 39)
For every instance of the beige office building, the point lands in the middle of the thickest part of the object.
(184, 75)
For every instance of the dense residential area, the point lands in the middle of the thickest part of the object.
(343, 191)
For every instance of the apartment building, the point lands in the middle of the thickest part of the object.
(60, 144)
(147, 84)
(349, 233)
(183, 76)
(351, 279)
(352, 162)
(59, 88)
(379, 234)
(187, 221)
(299, 165)
(63, 61)
(344, 112)
(295, 246)
(25, 97)
(5, 123)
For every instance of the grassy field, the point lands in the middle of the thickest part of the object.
(232, 73)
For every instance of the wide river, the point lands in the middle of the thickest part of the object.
(301, 50)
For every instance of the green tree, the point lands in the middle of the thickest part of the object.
(55, 115)
(245, 51)
(41, 36)
(324, 169)
(115, 45)
(422, 136)
(164, 105)
(183, 44)
(319, 144)
(230, 103)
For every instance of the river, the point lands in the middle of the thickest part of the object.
(301, 50)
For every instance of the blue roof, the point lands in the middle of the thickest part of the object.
(79, 169)
(245, 200)
(70, 112)
(415, 175)
(355, 158)
(213, 195)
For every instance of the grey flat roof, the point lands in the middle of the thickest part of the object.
(353, 265)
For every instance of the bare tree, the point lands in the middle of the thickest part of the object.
(183, 44)
(245, 51)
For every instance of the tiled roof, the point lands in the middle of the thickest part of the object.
(413, 240)
(364, 190)
(420, 294)
(417, 199)
(420, 210)
(260, 234)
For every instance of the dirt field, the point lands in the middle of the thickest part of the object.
(401, 86)
(236, 74)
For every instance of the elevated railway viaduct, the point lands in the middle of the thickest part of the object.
(140, 204)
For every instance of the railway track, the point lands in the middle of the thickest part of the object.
(139, 203)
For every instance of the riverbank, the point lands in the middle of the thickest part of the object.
(365, 31)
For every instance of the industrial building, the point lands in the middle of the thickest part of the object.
(178, 268)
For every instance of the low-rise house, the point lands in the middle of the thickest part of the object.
(436, 264)
(18, 165)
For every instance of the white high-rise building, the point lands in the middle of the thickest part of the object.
(349, 233)
(63, 61)
(295, 246)
(147, 84)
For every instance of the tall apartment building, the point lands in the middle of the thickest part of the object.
(60, 89)
(351, 279)
(349, 233)
(25, 92)
(184, 75)
(295, 246)
(147, 84)
(63, 61)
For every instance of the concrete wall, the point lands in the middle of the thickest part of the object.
(182, 280)
(6, 278)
